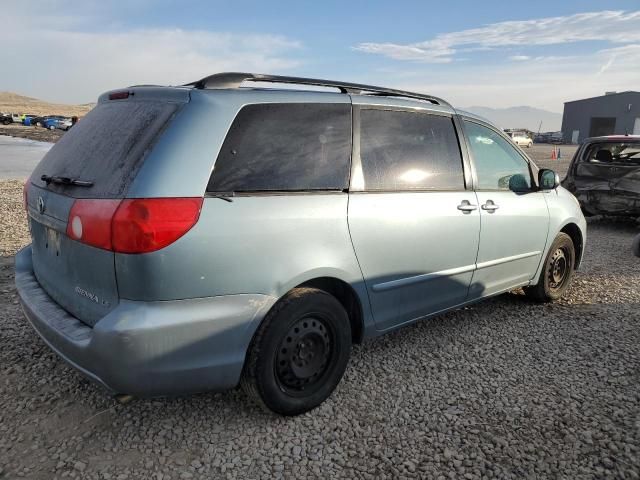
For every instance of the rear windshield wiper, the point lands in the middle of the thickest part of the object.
(65, 181)
(226, 196)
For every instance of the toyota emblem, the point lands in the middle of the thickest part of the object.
(40, 205)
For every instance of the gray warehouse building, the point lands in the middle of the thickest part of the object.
(610, 114)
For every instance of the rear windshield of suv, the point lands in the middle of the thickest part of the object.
(105, 147)
(285, 147)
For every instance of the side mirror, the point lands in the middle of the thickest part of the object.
(548, 179)
(519, 183)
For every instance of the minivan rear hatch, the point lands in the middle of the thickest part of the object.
(97, 159)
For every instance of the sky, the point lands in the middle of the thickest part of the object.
(496, 54)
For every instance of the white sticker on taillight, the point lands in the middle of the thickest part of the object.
(76, 227)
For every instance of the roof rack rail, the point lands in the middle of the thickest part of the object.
(235, 79)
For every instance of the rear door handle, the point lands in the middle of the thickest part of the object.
(467, 207)
(490, 206)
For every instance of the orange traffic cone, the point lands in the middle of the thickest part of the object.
(553, 154)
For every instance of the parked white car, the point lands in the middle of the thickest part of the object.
(522, 139)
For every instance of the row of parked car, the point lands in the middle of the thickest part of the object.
(51, 122)
(527, 139)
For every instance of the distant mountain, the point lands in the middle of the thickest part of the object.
(520, 117)
(13, 103)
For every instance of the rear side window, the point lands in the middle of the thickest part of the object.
(285, 147)
(106, 147)
(409, 151)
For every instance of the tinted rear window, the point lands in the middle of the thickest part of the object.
(409, 151)
(105, 147)
(285, 147)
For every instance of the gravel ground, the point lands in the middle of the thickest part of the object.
(503, 389)
(541, 155)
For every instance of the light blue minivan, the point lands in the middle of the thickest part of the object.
(223, 233)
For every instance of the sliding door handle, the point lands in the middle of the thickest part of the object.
(467, 207)
(490, 206)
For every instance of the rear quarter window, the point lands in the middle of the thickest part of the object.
(285, 147)
(106, 147)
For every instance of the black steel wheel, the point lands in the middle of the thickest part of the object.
(559, 268)
(557, 273)
(304, 354)
(299, 353)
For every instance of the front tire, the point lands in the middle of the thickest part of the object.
(557, 271)
(299, 353)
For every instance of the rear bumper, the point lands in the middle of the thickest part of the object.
(149, 348)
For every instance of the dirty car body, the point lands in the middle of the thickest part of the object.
(173, 223)
(605, 175)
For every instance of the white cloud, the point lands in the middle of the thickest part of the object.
(628, 54)
(59, 59)
(544, 82)
(609, 26)
(545, 79)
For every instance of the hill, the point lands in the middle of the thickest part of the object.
(520, 117)
(13, 103)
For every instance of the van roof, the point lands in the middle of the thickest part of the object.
(233, 80)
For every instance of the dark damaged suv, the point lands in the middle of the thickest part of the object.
(604, 175)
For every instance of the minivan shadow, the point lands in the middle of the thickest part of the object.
(438, 330)
(436, 334)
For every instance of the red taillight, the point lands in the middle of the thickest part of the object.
(90, 222)
(146, 225)
(119, 95)
(132, 225)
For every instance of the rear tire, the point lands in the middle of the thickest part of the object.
(299, 353)
(557, 271)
